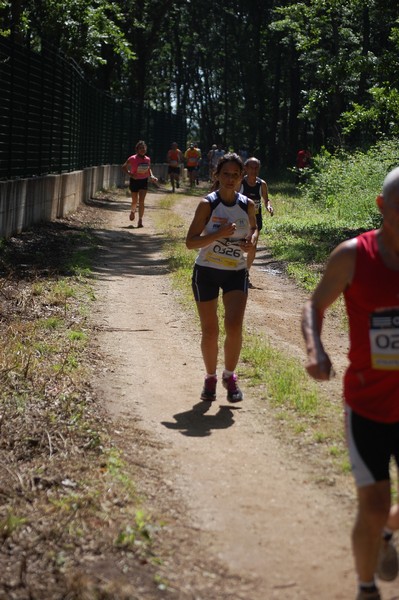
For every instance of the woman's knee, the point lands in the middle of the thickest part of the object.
(210, 332)
(233, 326)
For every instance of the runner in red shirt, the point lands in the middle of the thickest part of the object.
(365, 270)
(303, 159)
(192, 157)
(174, 158)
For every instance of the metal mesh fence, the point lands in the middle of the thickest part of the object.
(53, 121)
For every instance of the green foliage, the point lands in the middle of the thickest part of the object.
(77, 336)
(265, 75)
(344, 186)
(10, 523)
(328, 49)
(83, 30)
(117, 469)
(376, 117)
(287, 383)
(52, 323)
(4, 31)
(138, 534)
(336, 203)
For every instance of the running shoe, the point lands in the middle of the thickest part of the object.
(234, 394)
(209, 390)
(388, 567)
(375, 595)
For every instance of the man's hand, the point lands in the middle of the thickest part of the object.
(320, 367)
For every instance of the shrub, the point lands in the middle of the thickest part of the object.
(346, 185)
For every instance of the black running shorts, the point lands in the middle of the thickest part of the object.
(259, 220)
(206, 282)
(371, 445)
(136, 185)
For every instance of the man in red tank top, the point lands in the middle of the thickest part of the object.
(365, 270)
(174, 158)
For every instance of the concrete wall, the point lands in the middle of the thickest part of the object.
(160, 170)
(24, 202)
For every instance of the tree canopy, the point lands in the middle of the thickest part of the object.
(268, 75)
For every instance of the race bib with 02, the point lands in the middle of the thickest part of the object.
(384, 339)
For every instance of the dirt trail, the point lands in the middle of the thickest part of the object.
(246, 515)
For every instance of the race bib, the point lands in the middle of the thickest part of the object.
(384, 339)
(142, 168)
(224, 253)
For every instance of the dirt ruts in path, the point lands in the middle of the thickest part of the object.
(242, 504)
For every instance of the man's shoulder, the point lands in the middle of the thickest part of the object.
(345, 252)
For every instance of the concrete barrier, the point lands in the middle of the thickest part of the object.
(12, 206)
(160, 170)
(24, 202)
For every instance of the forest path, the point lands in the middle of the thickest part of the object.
(247, 515)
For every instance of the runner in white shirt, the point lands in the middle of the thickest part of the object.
(223, 230)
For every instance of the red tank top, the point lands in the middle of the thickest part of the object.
(371, 383)
(173, 156)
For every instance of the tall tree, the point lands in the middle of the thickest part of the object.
(265, 74)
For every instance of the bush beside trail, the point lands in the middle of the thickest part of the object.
(336, 202)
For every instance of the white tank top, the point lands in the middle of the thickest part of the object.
(225, 253)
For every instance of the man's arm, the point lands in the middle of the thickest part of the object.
(265, 195)
(254, 232)
(337, 276)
